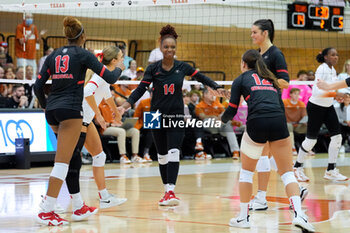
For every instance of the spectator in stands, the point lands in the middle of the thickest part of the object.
(144, 106)
(29, 87)
(195, 133)
(210, 108)
(2, 57)
(8, 57)
(121, 91)
(9, 75)
(305, 90)
(344, 75)
(114, 129)
(3, 86)
(140, 71)
(295, 111)
(18, 99)
(42, 59)
(310, 75)
(127, 59)
(20, 73)
(29, 41)
(131, 72)
(343, 113)
(155, 56)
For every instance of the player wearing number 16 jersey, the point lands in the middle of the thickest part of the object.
(67, 67)
(167, 76)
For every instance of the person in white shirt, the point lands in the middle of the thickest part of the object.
(131, 72)
(155, 56)
(320, 110)
(96, 89)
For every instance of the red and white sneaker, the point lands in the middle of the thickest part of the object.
(169, 199)
(50, 219)
(199, 146)
(83, 212)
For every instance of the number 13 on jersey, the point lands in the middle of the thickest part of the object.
(170, 90)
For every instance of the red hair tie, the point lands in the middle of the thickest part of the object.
(100, 55)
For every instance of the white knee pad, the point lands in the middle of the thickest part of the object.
(336, 141)
(252, 149)
(174, 155)
(246, 176)
(99, 160)
(308, 144)
(273, 164)
(59, 171)
(162, 159)
(263, 164)
(288, 178)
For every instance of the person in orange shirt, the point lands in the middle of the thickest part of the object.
(113, 129)
(121, 89)
(26, 43)
(210, 108)
(144, 106)
(296, 115)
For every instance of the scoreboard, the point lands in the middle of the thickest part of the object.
(315, 17)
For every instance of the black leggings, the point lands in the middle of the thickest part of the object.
(319, 115)
(166, 139)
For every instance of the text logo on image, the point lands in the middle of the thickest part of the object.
(151, 120)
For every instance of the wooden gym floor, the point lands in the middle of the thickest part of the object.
(209, 198)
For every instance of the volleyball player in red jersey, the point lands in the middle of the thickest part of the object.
(63, 108)
(167, 76)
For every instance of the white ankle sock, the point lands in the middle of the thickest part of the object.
(199, 140)
(103, 193)
(296, 204)
(166, 188)
(244, 210)
(49, 203)
(171, 187)
(261, 195)
(77, 201)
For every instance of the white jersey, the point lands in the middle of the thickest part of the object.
(329, 75)
(100, 89)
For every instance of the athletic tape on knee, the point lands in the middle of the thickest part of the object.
(99, 160)
(288, 178)
(250, 148)
(174, 155)
(162, 159)
(59, 171)
(308, 144)
(263, 164)
(246, 176)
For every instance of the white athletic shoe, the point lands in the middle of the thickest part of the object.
(137, 159)
(124, 159)
(111, 201)
(258, 204)
(303, 223)
(240, 223)
(300, 175)
(334, 175)
(83, 213)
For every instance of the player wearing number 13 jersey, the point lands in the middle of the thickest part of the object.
(67, 67)
(167, 76)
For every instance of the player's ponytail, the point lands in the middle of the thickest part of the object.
(266, 25)
(108, 54)
(254, 60)
(167, 32)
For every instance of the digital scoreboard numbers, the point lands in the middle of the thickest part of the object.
(315, 17)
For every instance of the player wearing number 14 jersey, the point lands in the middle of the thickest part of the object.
(167, 76)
